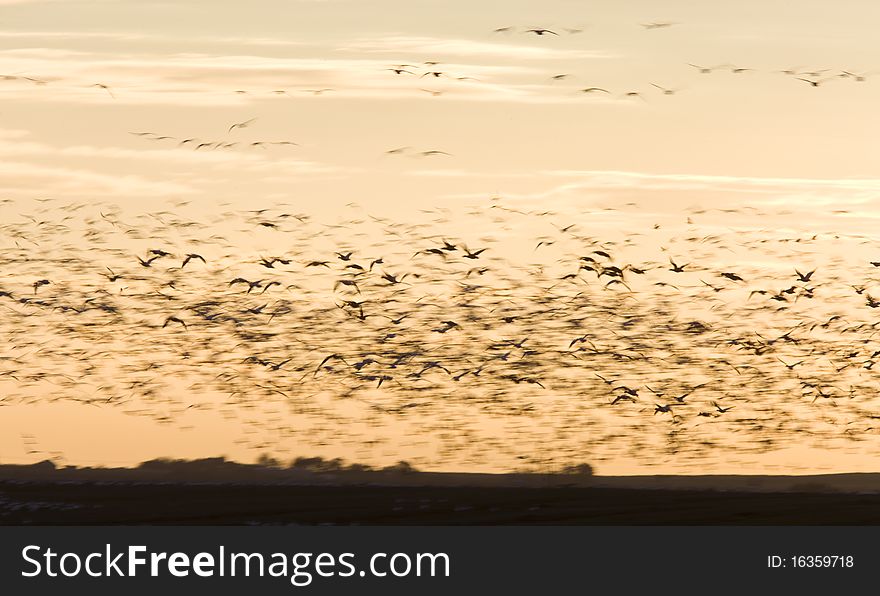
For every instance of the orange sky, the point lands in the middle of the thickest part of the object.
(174, 69)
(77, 77)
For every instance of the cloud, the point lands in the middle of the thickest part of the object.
(243, 158)
(12, 2)
(28, 168)
(209, 79)
(857, 189)
(19, 178)
(444, 173)
(123, 36)
(435, 46)
(676, 191)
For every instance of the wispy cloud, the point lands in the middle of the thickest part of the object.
(436, 46)
(19, 178)
(202, 79)
(30, 167)
(674, 191)
(444, 173)
(11, 2)
(154, 38)
(623, 179)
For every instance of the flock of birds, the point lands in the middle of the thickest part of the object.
(386, 339)
(433, 70)
(199, 144)
(452, 342)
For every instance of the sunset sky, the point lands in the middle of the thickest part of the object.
(173, 68)
(215, 108)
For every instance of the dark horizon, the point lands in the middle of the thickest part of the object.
(218, 492)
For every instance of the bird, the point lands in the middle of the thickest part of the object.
(540, 32)
(859, 78)
(472, 254)
(393, 279)
(250, 284)
(244, 124)
(706, 69)
(105, 88)
(349, 283)
(174, 320)
(111, 277)
(791, 366)
(329, 358)
(677, 268)
(148, 262)
(814, 83)
(190, 257)
(804, 277)
(665, 90)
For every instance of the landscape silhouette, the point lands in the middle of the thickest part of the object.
(329, 492)
(550, 253)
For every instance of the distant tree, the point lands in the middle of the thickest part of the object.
(159, 462)
(318, 464)
(579, 470)
(267, 461)
(401, 467)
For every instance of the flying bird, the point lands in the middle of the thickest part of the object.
(804, 277)
(814, 83)
(665, 90)
(244, 124)
(677, 268)
(190, 257)
(174, 320)
(105, 88)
